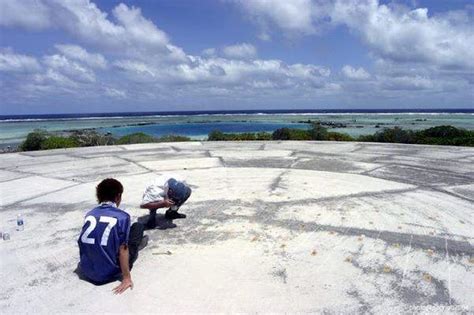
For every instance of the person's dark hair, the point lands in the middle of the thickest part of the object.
(108, 190)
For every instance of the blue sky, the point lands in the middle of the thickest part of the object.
(105, 56)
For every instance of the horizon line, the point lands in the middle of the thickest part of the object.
(299, 110)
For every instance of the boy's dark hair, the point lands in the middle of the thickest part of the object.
(108, 190)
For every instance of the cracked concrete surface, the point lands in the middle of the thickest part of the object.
(272, 227)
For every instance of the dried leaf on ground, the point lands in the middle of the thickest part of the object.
(162, 253)
(427, 277)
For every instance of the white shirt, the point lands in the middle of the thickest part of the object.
(158, 189)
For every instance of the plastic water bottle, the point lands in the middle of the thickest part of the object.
(20, 224)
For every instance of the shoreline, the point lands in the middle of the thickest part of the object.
(98, 118)
(112, 115)
(438, 135)
(199, 125)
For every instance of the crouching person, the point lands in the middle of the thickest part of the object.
(108, 245)
(165, 192)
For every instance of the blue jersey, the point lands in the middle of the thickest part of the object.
(105, 229)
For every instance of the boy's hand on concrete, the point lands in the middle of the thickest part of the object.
(126, 283)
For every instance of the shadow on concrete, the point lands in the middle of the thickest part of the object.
(82, 277)
(161, 222)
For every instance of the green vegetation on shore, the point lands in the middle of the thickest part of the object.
(440, 135)
(42, 140)
(217, 135)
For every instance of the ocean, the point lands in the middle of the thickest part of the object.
(198, 124)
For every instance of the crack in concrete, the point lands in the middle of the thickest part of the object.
(359, 147)
(176, 148)
(20, 177)
(134, 163)
(36, 174)
(447, 192)
(417, 241)
(432, 169)
(222, 161)
(18, 202)
(365, 307)
(277, 181)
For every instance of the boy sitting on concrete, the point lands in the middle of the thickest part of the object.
(165, 192)
(108, 244)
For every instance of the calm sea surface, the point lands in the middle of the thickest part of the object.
(197, 125)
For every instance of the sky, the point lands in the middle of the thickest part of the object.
(81, 56)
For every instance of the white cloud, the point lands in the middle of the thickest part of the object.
(30, 14)
(115, 93)
(135, 67)
(208, 52)
(53, 79)
(355, 74)
(71, 69)
(393, 32)
(139, 28)
(11, 62)
(131, 32)
(408, 35)
(78, 53)
(52, 76)
(407, 83)
(264, 36)
(240, 51)
(291, 16)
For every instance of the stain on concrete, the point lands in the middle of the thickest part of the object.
(281, 274)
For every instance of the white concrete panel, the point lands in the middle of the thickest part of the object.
(84, 169)
(244, 154)
(25, 188)
(179, 164)
(7, 175)
(312, 146)
(10, 160)
(305, 184)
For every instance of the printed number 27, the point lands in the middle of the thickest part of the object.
(111, 222)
